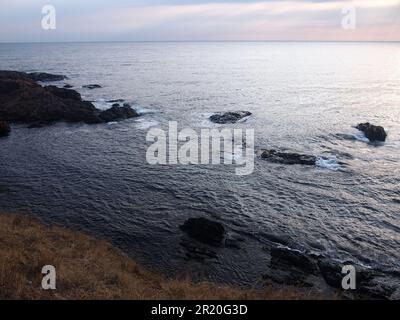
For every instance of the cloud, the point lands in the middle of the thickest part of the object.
(202, 20)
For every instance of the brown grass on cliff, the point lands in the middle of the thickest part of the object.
(88, 268)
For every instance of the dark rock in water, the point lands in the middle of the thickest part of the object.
(373, 133)
(28, 102)
(45, 77)
(294, 259)
(229, 117)
(288, 158)
(115, 101)
(116, 105)
(5, 129)
(64, 93)
(194, 251)
(68, 86)
(35, 76)
(369, 283)
(118, 113)
(23, 100)
(377, 289)
(332, 273)
(204, 230)
(91, 86)
(234, 241)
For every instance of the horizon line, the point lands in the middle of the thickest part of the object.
(194, 41)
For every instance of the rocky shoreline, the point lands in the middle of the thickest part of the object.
(289, 266)
(91, 268)
(23, 100)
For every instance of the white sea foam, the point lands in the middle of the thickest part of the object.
(142, 111)
(328, 163)
(146, 124)
(102, 104)
(360, 137)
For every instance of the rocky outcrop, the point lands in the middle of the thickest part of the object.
(23, 100)
(373, 133)
(118, 113)
(5, 129)
(35, 76)
(91, 86)
(288, 158)
(229, 117)
(204, 230)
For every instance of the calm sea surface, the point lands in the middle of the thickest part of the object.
(305, 97)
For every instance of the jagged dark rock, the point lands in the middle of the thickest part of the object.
(5, 129)
(118, 113)
(204, 230)
(229, 117)
(288, 158)
(91, 86)
(373, 133)
(64, 93)
(23, 100)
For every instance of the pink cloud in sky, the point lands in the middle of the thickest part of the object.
(263, 20)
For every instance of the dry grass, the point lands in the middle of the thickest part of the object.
(88, 268)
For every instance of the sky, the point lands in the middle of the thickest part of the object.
(202, 20)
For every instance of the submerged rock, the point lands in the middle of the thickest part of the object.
(115, 101)
(91, 86)
(45, 77)
(204, 230)
(118, 113)
(68, 86)
(5, 129)
(288, 158)
(200, 253)
(293, 258)
(373, 133)
(229, 117)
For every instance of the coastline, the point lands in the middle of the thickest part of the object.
(288, 265)
(88, 268)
